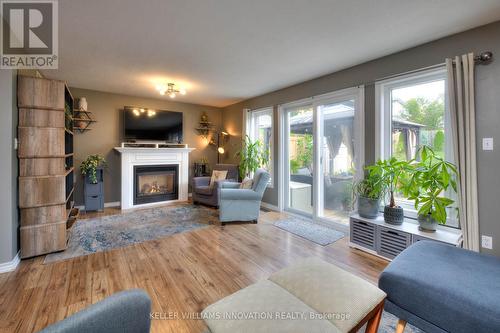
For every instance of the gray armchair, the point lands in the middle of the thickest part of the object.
(124, 312)
(242, 204)
(209, 195)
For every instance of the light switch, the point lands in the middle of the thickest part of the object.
(487, 143)
(486, 242)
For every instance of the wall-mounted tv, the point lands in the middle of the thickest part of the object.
(142, 124)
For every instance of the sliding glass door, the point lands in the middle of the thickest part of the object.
(323, 144)
(300, 156)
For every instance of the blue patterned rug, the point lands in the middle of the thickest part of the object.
(110, 232)
(309, 230)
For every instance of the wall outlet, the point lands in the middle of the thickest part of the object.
(487, 143)
(486, 242)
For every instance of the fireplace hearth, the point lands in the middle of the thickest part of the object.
(155, 183)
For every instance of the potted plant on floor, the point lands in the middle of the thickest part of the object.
(252, 156)
(392, 172)
(430, 178)
(368, 193)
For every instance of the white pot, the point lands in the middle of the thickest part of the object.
(82, 104)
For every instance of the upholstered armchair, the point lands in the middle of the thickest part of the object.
(242, 204)
(209, 195)
(124, 312)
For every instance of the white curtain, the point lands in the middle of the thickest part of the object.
(463, 124)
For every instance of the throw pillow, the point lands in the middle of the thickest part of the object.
(246, 183)
(217, 175)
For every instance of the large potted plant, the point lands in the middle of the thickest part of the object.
(252, 156)
(430, 178)
(368, 193)
(393, 173)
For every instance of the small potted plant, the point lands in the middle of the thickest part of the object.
(392, 172)
(368, 193)
(89, 167)
(429, 180)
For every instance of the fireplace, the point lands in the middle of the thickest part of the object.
(155, 183)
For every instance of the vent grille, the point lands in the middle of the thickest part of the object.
(392, 242)
(363, 234)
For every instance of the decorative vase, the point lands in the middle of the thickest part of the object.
(394, 215)
(427, 223)
(82, 104)
(367, 207)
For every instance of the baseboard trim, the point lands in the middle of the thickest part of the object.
(106, 205)
(269, 206)
(9, 266)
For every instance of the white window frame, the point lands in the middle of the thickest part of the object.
(383, 119)
(356, 93)
(250, 130)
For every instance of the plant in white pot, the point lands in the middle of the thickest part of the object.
(429, 180)
(393, 172)
(368, 193)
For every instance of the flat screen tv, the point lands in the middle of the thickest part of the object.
(142, 124)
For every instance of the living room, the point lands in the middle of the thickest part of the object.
(328, 169)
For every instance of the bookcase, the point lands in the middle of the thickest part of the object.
(46, 171)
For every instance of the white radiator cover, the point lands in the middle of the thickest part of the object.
(131, 157)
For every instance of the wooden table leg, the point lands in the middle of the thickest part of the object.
(374, 322)
(400, 326)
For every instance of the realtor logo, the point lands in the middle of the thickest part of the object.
(29, 34)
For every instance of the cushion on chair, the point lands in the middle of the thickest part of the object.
(267, 299)
(205, 190)
(454, 289)
(217, 175)
(330, 289)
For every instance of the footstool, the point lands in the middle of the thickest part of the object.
(308, 296)
(441, 288)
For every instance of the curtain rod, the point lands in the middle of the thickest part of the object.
(484, 58)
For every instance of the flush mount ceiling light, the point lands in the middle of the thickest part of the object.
(170, 90)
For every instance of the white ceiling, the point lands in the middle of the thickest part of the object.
(223, 51)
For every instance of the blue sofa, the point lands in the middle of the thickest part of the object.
(124, 312)
(242, 204)
(440, 288)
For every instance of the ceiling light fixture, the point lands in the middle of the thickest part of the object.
(170, 90)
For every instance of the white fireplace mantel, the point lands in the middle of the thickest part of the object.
(152, 156)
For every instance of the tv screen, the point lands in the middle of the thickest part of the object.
(142, 124)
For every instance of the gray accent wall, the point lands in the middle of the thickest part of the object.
(8, 166)
(485, 38)
(106, 134)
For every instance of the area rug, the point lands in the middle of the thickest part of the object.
(309, 230)
(110, 232)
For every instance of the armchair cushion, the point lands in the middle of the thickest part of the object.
(217, 175)
(239, 194)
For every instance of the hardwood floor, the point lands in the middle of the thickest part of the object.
(182, 274)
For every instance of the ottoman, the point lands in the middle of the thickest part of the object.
(441, 288)
(309, 296)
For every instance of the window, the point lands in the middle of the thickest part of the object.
(413, 111)
(259, 125)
